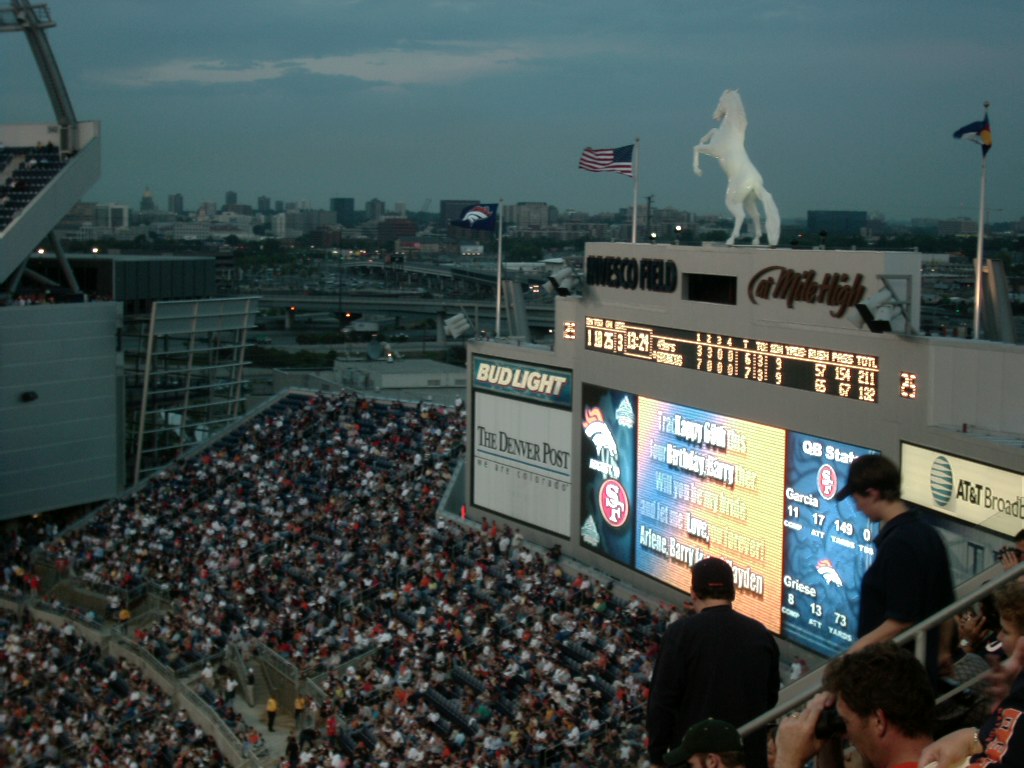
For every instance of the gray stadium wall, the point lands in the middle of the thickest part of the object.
(61, 406)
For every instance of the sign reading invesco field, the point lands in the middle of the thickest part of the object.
(666, 485)
(522, 442)
(661, 275)
(971, 492)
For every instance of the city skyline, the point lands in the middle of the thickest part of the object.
(851, 106)
(385, 208)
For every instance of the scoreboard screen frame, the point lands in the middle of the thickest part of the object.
(664, 485)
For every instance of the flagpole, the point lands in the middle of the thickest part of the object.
(636, 179)
(980, 253)
(497, 304)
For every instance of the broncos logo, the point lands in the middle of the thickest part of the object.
(828, 572)
(596, 430)
(477, 213)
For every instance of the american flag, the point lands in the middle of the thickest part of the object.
(618, 160)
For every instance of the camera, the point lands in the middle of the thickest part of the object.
(1000, 553)
(829, 724)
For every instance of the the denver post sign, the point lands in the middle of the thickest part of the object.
(974, 493)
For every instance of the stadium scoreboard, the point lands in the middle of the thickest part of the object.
(812, 369)
(670, 465)
(665, 484)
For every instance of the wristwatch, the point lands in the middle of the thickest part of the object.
(965, 643)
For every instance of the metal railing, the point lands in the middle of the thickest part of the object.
(972, 590)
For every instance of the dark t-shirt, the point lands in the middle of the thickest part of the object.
(909, 580)
(718, 664)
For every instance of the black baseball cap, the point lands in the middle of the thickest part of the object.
(870, 471)
(711, 573)
(704, 737)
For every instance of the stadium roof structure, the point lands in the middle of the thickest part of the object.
(46, 167)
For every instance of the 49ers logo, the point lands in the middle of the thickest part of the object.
(614, 503)
(828, 482)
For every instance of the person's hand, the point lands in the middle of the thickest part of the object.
(971, 628)
(795, 742)
(946, 663)
(950, 750)
(1004, 673)
(1009, 557)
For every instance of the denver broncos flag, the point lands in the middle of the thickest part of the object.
(478, 216)
(979, 132)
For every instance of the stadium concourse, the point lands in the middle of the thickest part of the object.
(303, 556)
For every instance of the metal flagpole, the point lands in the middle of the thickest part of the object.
(636, 179)
(980, 253)
(497, 304)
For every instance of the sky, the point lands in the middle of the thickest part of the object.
(851, 104)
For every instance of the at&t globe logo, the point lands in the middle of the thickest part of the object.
(942, 481)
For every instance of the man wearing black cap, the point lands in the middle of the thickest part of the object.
(709, 744)
(717, 663)
(909, 579)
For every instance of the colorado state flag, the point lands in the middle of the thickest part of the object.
(979, 132)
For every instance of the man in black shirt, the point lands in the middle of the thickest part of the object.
(717, 663)
(909, 579)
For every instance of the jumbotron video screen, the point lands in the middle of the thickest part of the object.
(665, 485)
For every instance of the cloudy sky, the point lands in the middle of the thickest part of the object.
(851, 103)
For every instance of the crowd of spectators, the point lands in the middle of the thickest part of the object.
(27, 170)
(65, 703)
(315, 532)
(50, 296)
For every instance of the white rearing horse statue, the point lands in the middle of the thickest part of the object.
(745, 184)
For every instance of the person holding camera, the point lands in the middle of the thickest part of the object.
(999, 742)
(1010, 557)
(880, 698)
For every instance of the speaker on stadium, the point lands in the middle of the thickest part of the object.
(563, 282)
(456, 325)
(878, 311)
